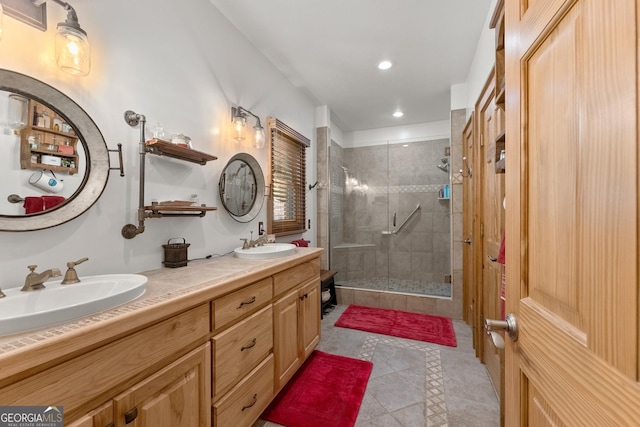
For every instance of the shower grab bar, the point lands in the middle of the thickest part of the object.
(394, 232)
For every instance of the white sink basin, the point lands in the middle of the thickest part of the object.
(270, 250)
(25, 311)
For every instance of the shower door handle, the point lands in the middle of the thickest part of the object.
(394, 220)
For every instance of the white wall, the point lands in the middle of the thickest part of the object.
(396, 134)
(482, 64)
(181, 66)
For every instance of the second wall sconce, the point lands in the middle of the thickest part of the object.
(239, 119)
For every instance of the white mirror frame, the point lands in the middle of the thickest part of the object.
(97, 171)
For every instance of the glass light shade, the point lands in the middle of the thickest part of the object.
(239, 125)
(73, 53)
(259, 136)
(1, 24)
(17, 111)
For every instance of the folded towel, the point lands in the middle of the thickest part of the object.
(33, 204)
(52, 201)
(301, 243)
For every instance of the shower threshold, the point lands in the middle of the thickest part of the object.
(400, 286)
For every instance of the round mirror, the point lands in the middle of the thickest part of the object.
(241, 187)
(54, 152)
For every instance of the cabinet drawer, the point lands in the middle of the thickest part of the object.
(241, 302)
(239, 349)
(243, 405)
(286, 280)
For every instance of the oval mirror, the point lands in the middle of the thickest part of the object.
(241, 187)
(52, 151)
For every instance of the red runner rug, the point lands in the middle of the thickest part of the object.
(326, 391)
(402, 324)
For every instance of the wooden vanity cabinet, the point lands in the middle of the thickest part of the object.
(94, 378)
(219, 363)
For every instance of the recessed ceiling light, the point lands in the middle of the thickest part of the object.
(398, 114)
(385, 65)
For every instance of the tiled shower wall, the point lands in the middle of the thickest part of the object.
(369, 185)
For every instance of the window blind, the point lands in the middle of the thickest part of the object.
(287, 168)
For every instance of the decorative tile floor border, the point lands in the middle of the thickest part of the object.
(435, 401)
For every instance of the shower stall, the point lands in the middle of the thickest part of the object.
(389, 217)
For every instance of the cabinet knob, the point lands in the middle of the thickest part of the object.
(253, 402)
(131, 415)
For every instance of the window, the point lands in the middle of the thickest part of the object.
(286, 212)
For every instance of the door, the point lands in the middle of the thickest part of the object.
(177, 395)
(490, 222)
(572, 206)
(468, 276)
(285, 325)
(309, 317)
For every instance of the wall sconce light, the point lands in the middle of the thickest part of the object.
(239, 119)
(73, 52)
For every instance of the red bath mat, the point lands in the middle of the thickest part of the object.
(326, 391)
(402, 324)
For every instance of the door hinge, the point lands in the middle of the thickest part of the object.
(481, 230)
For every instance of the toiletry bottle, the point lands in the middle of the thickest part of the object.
(35, 116)
(47, 119)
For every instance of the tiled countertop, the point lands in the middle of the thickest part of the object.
(168, 290)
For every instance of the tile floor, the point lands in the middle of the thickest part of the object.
(414, 383)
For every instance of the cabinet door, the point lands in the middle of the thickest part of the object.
(309, 317)
(177, 395)
(101, 417)
(285, 315)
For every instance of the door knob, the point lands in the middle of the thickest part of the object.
(509, 325)
(467, 241)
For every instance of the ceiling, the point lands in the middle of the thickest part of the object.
(330, 50)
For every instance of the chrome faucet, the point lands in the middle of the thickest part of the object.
(71, 276)
(34, 281)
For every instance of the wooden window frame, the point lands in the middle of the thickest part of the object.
(286, 165)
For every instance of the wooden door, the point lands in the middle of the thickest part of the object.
(309, 317)
(285, 318)
(572, 206)
(491, 226)
(468, 276)
(177, 395)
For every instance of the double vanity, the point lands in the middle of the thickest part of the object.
(211, 343)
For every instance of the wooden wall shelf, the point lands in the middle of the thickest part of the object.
(160, 211)
(166, 148)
